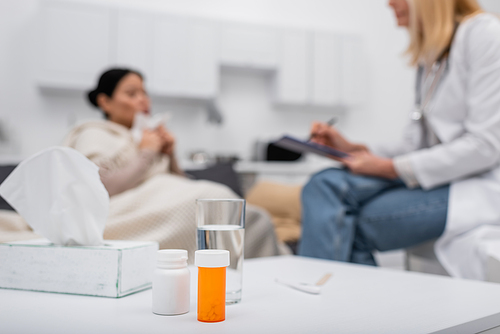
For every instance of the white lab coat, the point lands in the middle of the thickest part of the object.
(464, 113)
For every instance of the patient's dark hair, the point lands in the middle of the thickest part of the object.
(108, 82)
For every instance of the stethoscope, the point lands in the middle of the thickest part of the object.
(438, 68)
(421, 107)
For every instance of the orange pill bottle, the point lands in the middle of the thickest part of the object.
(211, 265)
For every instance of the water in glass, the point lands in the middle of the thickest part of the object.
(229, 237)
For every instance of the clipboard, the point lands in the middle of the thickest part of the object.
(301, 146)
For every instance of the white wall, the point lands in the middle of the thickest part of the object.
(39, 120)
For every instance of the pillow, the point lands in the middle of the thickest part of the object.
(283, 204)
(4, 172)
(221, 173)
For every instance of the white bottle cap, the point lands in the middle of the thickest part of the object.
(211, 258)
(172, 257)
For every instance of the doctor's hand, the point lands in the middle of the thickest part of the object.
(365, 163)
(151, 140)
(168, 141)
(324, 134)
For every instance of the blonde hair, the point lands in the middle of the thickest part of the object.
(432, 23)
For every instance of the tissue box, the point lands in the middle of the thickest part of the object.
(115, 269)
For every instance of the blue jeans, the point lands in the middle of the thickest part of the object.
(345, 217)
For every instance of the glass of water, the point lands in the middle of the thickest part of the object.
(221, 225)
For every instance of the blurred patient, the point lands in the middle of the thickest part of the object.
(150, 197)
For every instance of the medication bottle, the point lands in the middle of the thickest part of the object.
(171, 283)
(211, 265)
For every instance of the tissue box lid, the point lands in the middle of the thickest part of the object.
(116, 269)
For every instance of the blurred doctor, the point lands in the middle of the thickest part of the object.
(443, 179)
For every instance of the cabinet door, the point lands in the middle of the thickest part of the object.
(248, 46)
(353, 71)
(75, 44)
(184, 60)
(326, 75)
(134, 41)
(293, 79)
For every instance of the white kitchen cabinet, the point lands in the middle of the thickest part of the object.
(134, 41)
(353, 71)
(338, 75)
(75, 42)
(182, 57)
(185, 58)
(311, 70)
(326, 70)
(293, 76)
(248, 46)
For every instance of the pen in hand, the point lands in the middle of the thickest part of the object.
(331, 122)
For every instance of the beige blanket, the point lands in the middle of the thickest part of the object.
(162, 207)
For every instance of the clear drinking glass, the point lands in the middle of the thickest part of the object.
(221, 225)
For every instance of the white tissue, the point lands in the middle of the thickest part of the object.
(60, 195)
(144, 121)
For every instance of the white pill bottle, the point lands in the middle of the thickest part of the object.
(171, 282)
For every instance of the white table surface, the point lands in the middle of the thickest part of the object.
(357, 299)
